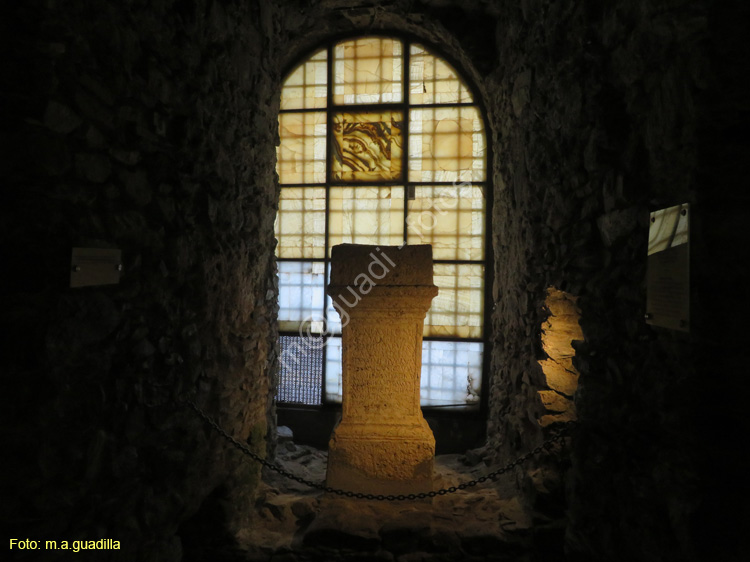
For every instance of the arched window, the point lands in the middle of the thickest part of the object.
(381, 142)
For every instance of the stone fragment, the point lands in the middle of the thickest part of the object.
(383, 444)
(481, 542)
(127, 157)
(473, 457)
(558, 377)
(521, 92)
(284, 434)
(343, 525)
(94, 138)
(143, 349)
(94, 455)
(549, 419)
(93, 109)
(136, 186)
(51, 153)
(615, 225)
(95, 168)
(60, 118)
(406, 532)
(513, 516)
(419, 557)
(302, 509)
(555, 402)
(97, 88)
(282, 557)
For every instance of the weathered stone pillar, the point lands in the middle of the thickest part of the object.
(382, 444)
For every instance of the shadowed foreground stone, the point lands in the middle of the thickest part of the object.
(382, 445)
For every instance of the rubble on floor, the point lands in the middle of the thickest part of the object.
(293, 522)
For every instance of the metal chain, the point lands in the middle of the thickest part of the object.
(547, 445)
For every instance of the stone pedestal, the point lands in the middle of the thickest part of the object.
(382, 444)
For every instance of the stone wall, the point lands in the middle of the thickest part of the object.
(602, 114)
(149, 127)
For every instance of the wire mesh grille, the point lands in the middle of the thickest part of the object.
(301, 372)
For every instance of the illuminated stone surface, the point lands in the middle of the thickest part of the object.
(558, 332)
(382, 444)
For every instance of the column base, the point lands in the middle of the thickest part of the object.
(381, 459)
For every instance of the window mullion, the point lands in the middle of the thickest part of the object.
(439, 163)
(408, 188)
(326, 236)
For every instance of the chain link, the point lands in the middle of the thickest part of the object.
(547, 445)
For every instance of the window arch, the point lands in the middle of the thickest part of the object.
(381, 142)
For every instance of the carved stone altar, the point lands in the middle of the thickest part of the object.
(382, 444)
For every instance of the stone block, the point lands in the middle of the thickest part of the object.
(385, 265)
(555, 402)
(60, 118)
(93, 167)
(382, 445)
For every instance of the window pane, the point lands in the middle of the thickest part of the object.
(301, 370)
(367, 71)
(458, 308)
(366, 215)
(446, 144)
(451, 218)
(367, 146)
(432, 80)
(300, 222)
(356, 149)
(306, 86)
(333, 370)
(301, 292)
(301, 156)
(451, 373)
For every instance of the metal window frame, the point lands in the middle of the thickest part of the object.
(486, 185)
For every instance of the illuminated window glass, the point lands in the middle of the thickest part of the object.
(301, 222)
(433, 80)
(333, 370)
(307, 86)
(446, 144)
(301, 291)
(451, 372)
(368, 70)
(450, 218)
(458, 308)
(301, 157)
(381, 142)
(366, 215)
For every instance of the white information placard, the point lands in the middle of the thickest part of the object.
(668, 274)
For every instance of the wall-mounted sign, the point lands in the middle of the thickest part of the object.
(668, 276)
(95, 266)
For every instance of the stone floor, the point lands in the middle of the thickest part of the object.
(294, 523)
